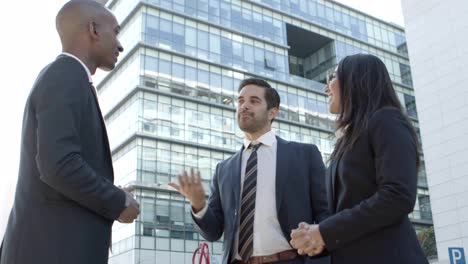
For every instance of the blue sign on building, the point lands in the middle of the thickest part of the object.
(457, 256)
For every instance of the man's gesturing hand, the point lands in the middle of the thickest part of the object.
(191, 187)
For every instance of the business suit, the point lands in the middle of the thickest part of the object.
(371, 190)
(300, 194)
(65, 200)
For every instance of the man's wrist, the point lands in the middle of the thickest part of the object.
(198, 207)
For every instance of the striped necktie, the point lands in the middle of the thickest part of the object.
(248, 205)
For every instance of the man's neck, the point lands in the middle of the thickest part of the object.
(255, 135)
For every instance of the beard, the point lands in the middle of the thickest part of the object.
(251, 123)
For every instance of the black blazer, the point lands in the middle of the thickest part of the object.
(300, 193)
(371, 190)
(65, 200)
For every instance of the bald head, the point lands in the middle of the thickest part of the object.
(75, 18)
(89, 30)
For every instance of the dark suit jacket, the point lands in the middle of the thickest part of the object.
(65, 200)
(371, 190)
(300, 193)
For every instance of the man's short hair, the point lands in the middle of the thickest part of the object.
(271, 95)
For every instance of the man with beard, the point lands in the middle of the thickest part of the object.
(263, 191)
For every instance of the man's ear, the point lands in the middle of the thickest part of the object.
(93, 31)
(272, 113)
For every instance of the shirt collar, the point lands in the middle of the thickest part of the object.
(82, 64)
(268, 139)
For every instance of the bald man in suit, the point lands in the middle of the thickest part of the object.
(66, 201)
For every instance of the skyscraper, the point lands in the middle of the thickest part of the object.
(170, 103)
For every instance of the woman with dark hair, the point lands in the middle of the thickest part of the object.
(372, 175)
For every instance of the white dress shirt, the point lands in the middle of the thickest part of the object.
(268, 237)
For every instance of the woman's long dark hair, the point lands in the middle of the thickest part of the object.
(365, 87)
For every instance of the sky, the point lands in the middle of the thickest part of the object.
(29, 42)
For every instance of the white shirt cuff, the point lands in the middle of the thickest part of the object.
(201, 213)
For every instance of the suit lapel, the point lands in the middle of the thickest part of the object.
(330, 188)
(282, 163)
(332, 183)
(103, 124)
(236, 176)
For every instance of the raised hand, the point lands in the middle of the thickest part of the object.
(307, 239)
(191, 187)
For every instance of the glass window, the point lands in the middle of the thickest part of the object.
(215, 44)
(225, 14)
(247, 21)
(165, 33)
(213, 10)
(268, 29)
(236, 17)
(257, 24)
(148, 212)
(259, 56)
(249, 58)
(405, 72)
(237, 53)
(410, 105)
(270, 60)
(321, 11)
(278, 31)
(152, 29)
(203, 6)
(178, 37)
(151, 63)
(329, 14)
(162, 212)
(203, 41)
(165, 67)
(203, 77)
(177, 212)
(190, 36)
(226, 50)
(178, 72)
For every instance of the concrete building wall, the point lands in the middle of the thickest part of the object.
(437, 36)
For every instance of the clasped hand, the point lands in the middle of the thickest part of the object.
(307, 239)
(131, 212)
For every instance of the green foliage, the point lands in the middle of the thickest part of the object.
(428, 243)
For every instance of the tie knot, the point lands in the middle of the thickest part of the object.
(255, 146)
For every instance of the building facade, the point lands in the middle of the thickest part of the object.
(439, 58)
(170, 103)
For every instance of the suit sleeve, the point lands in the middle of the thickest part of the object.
(211, 224)
(59, 109)
(318, 197)
(396, 176)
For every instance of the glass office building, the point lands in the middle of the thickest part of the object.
(170, 102)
